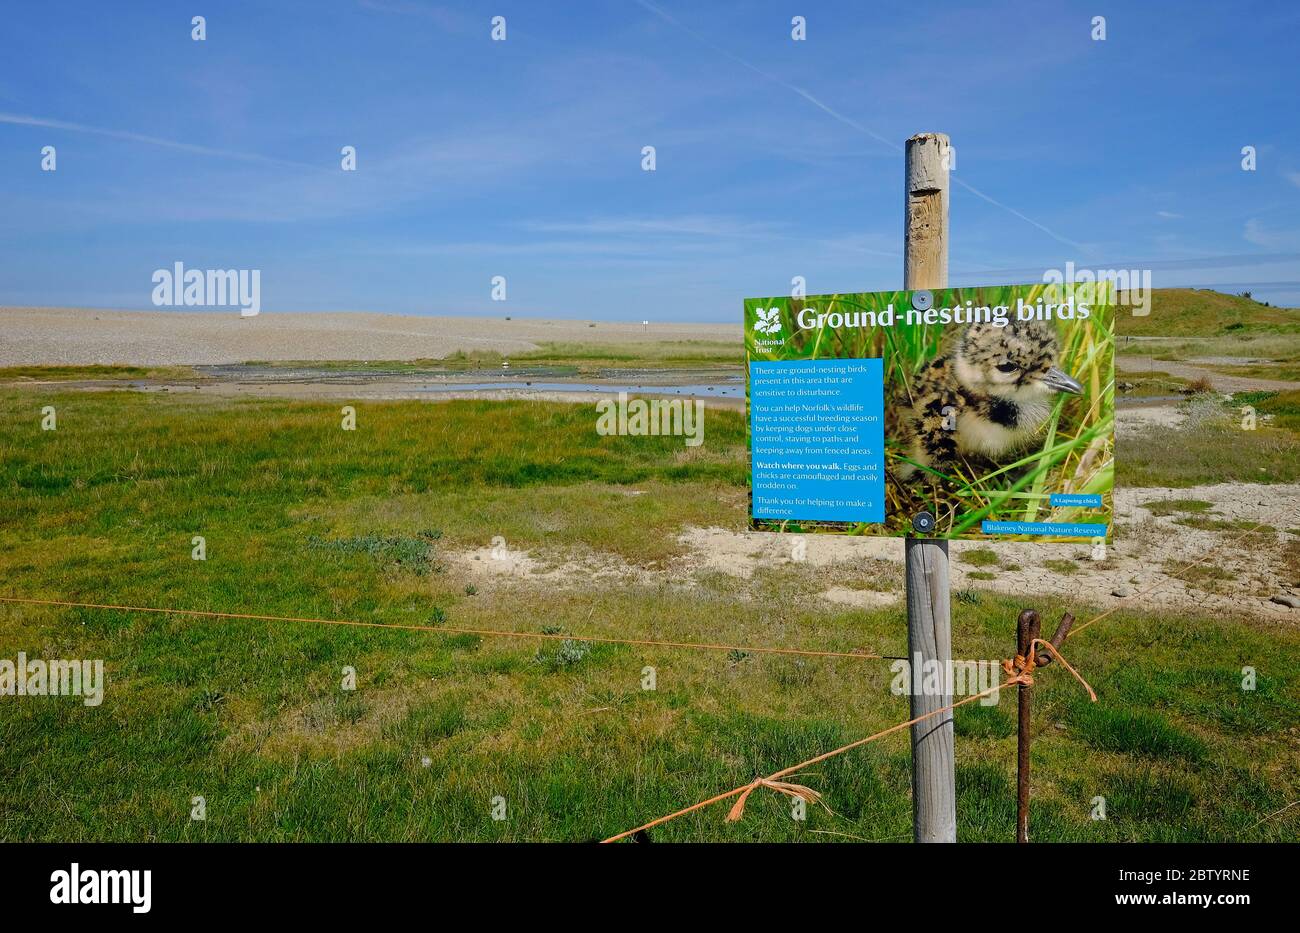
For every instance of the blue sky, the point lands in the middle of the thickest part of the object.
(522, 158)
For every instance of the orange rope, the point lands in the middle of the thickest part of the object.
(1064, 663)
(785, 787)
(746, 789)
(446, 629)
(1020, 671)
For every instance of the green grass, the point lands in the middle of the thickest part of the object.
(1188, 312)
(1242, 345)
(1202, 575)
(1175, 506)
(1216, 524)
(1282, 408)
(302, 519)
(1126, 731)
(1212, 449)
(648, 353)
(1143, 383)
(984, 722)
(1269, 402)
(75, 373)
(1284, 371)
(411, 553)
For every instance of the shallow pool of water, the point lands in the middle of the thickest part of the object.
(720, 390)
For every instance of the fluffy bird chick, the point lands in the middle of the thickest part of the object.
(986, 397)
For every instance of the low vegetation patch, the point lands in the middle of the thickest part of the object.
(980, 557)
(93, 372)
(1143, 734)
(414, 554)
(1165, 507)
(1203, 575)
(1216, 524)
(1146, 383)
(1217, 450)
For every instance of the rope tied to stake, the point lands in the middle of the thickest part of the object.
(807, 794)
(1020, 669)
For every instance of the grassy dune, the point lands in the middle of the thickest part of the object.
(304, 519)
(1190, 312)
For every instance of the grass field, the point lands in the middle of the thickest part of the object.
(1218, 451)
(1191, 312)
(1140, 384)
(304, 519)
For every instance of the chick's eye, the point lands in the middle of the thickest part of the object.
(1007, 367)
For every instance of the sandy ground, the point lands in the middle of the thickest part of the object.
(1140, 569)
(71, 336)
(1189, 369)
(1143, 568)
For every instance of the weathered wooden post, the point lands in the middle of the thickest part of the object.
(929, 623)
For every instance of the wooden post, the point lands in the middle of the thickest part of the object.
(925, 234)
(929, 623)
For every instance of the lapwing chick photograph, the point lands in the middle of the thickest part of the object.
(985, 400)
(994, 420)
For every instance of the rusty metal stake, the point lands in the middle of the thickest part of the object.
(1028, 626)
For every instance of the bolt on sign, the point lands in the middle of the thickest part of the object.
(981, 413)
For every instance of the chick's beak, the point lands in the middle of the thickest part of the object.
(1059, 382)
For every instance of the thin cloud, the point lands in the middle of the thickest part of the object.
(443, 17)
(16, 119)
(690, 225)
(1255, 232)
(668, 18)
(847, 121)
(1015, 213)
